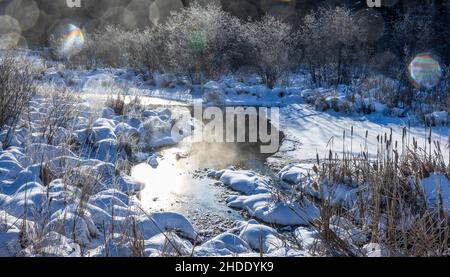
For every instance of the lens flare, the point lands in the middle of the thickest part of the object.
(425, 71)
(10, 32)
(70, 42)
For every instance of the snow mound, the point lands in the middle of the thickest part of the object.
(259, 237)
(167, 244)
(307, 237)
(243, 181)
(9, 166)
(38, 152)
(293, 174)
(225, 244)
(375, 250)
(267, 209)
(435, 185)
(167, 221)
(54, 245)
(68, 221)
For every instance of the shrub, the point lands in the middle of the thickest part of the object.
(111, 46)
(414, 30)
(61, 114)
(16, 90)
(201, 41)
(331, 39)
(117, 103)
(148, 49)
(270, 45)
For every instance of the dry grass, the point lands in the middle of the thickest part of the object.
(391, 206)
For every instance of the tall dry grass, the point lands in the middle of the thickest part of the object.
(390, 207)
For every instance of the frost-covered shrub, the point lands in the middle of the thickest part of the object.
(16, 89)
(270, 45)
(414, 30)
(148, 49)
(380, 88)
(117, 103)
(60, 118)
(320, 103)
(109, 46)
(201, 40)
(331, 40)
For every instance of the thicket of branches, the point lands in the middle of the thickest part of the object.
(16, 88)
(336, 45)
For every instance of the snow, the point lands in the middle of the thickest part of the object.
(267, 209)
(259, 237)
(375, 250)
(100, 222)
(167, 221)
(225, 244)
(307, 238)
(167, 244)
(435, 186)
(54, 245)
(312, 129)
(247, 182)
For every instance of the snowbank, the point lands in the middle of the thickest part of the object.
(247, 182)
(434, 186)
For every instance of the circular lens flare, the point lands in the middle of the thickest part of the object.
(70, 41)
(425, 71)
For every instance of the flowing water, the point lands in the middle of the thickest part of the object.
(179, 183)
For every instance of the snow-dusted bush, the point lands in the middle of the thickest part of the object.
(117, 103)
(380, 88)
(332, 44)
(201, 40)
(110, 46)
(16, 89)
(270, 46)
(413, 31)
(60, 117)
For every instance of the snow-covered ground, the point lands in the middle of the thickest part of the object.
(78, 199)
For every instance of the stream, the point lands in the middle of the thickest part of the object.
(180, 183)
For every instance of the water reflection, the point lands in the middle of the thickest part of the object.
(179, 183)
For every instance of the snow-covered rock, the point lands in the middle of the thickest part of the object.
(246, 182)
(267, 209)
(54, 244)
(293, 174)
(259, 237)
(167, 244)
(124, 129)
(167, 221)
(225, 244)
